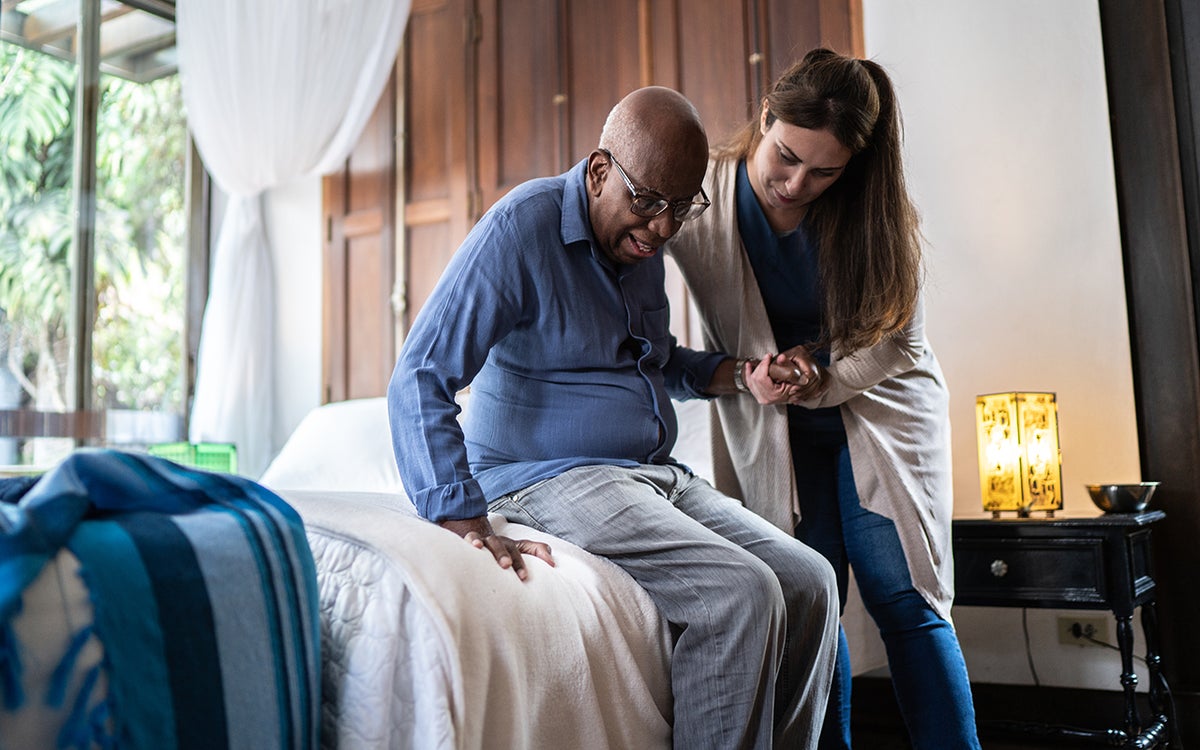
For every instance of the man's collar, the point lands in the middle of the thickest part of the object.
(576, 223)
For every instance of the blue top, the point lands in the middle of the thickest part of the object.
(569, 356)
(789, 279)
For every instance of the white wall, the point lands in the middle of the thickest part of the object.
(1009, 157)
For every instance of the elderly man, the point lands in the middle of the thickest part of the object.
(554, 311)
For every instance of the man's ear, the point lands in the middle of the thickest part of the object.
(597, 173)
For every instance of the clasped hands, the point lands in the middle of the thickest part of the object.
(791, 377)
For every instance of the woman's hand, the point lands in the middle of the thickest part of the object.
(810, 378)
(769, 381)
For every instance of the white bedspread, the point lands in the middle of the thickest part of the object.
(427, 643)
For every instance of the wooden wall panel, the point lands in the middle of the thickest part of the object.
(428, 106)
(519, 88)
(359, 262)
(659, 52)
(437, 152)
(432, 242)
(791, 29)
(714, 63)
(333, 288)
(369, 316)
(599, 70)
(841, 25)
(546, 82)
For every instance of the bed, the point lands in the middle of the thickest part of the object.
(427, 643)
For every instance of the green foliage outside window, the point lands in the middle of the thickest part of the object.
(138, 284)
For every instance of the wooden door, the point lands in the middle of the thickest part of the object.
(359, 310)
(437, 146)
(520, 95)
(549, 70)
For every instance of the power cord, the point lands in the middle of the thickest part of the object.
(1088, 633)
(1028, 648)
(1098, 642)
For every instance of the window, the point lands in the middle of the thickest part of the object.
(94, 213)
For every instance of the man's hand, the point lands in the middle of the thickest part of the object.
(478, 531)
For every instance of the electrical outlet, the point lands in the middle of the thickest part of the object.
(1077, 630)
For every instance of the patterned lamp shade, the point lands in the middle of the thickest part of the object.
(1020, 465)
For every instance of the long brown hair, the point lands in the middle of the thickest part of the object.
(865, 224)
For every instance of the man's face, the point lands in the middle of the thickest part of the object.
(624, 236)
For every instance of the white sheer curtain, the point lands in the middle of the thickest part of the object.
(274, 90)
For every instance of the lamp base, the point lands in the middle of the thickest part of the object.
(1022, 513)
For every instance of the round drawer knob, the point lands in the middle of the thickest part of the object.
(999, 568)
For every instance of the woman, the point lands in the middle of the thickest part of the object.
(811, 248)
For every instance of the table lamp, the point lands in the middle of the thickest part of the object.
(1020, 465)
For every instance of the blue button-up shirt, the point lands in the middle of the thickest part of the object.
(569, 356)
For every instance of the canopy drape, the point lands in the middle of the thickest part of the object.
(274, 90)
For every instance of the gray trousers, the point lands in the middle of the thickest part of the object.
(755, 611)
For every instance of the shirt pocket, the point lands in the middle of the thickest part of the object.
(656, 332)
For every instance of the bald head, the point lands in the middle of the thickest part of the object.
(657, 127)
(652, 148)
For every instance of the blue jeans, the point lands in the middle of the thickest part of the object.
(754, 610)
(929, 675)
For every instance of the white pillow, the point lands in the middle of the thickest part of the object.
(345, 446)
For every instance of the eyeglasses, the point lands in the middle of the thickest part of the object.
(649, 205)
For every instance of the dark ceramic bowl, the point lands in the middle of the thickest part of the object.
(1122, 498)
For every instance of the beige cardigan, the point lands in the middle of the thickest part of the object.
(893, 401)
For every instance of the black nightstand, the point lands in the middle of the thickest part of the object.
(1073, 563)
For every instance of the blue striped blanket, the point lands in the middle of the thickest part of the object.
(204, 595)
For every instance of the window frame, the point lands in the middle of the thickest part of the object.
(81, 421)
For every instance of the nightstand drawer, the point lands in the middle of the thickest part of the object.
(1046, 572)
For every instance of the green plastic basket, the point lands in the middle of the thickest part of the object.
(220, 457)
